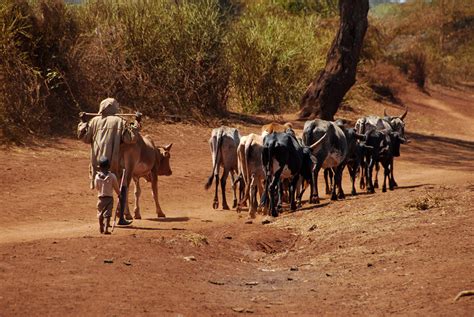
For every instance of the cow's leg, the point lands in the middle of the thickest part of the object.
(275, 183)
(215, 204)
(337, 183)
(393, 182)
(138, 191)
(363, 170)
(154, 188)
(264, 198)
(223, 182)
(314, 196)
(352, 172)
(299, 191)
(340, 170)
(293, 186)
(234, 189)
(282, 195)
(253, 197)
(328, 179)
(370, 167)
(242, 191)
(260, 209)
(128, 181)
(386, 174)
(377, 168)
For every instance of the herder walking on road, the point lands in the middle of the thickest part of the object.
(105, 132)
(106, 183)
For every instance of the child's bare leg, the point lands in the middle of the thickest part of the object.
(101, 224)
(107, 225)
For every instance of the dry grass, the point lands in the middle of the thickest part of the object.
(195, 239)
(425, 202)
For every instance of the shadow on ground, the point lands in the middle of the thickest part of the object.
(439, 151)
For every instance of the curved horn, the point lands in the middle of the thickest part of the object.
(317, 145)
(164, 147)
(385, 112)
(404, 114)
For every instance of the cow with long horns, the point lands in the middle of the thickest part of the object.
(388, 124)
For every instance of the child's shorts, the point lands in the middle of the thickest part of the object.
(104, 206)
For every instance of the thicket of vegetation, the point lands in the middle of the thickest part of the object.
(421, 41)
(197, 58)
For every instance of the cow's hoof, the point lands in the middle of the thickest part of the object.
(333, 198)
(341, 196)
(384, 189)
(391, 188)
(353, 193)
(395, 184)
(215, 205)
(314, 200)
(225, 207)
(376, 185)
(128, 217)
(234, 204)
(162, 215)
(138, 216)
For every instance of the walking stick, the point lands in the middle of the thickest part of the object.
(121, 204)
(86, 116)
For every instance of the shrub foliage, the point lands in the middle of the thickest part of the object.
(197, 58)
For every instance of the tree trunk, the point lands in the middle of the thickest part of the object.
(325, 93)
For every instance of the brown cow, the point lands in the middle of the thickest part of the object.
(275, 127)
(249, 155)
(144, 159)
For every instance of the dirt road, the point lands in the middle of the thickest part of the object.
(406, 252)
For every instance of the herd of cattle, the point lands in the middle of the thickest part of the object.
(279, 165)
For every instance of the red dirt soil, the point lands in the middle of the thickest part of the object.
(405, 252)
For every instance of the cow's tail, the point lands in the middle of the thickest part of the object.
(216, 160)
(268, 175)
(245, 169)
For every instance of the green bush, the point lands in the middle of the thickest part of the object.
(274, 57)
(180, 51)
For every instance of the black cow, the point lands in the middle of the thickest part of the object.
(283, 157)
(355, 154)
(354, 159)
(381, 146)
(332, 154)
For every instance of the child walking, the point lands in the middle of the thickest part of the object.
(106, 183)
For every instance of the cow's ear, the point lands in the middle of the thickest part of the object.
(168, 147)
